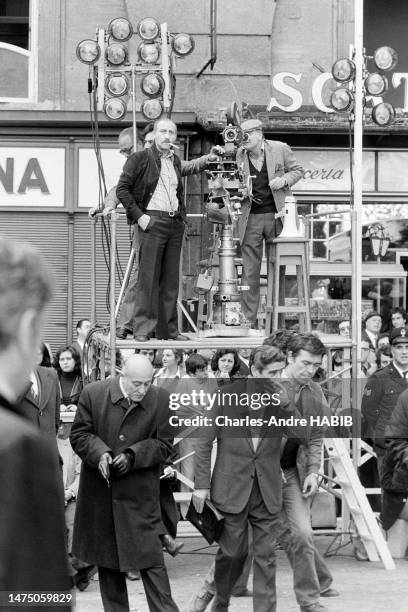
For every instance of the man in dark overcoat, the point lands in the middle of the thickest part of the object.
(121, 433)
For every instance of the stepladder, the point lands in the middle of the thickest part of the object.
(353, 494)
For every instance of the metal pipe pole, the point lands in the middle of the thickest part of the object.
(356, 223)
(114, 217)
(134, 107)
(93, 271)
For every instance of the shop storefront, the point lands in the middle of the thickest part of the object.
(324, 202)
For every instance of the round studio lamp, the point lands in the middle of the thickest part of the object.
(385, 58)
(341, 100)
(117, 84)
(376, 84)
(114, 108)
(383, 114)
(120, 29)
(152, 109)
(183, 44)
(116, 54)
(343, 70)
(148, 52)
(152, 85)
(88, 51)
(148, 29)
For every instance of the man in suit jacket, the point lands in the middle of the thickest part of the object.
(121, 433)
(40, 401)
(372, 328)
(274, 170)
(32, 533)
(246, 485)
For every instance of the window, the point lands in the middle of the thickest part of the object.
(18, 50)
(14, 22)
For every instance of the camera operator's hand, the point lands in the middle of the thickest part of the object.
(143, 222)
(278, 182)
(122, 463)
(199, 496)
(103, 466)
(215, 152)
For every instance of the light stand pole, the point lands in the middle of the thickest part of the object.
(356, 227)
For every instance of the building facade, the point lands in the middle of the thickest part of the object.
(273, 58)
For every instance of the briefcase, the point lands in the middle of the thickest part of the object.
(209, 523)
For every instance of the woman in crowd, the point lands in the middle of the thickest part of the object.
(67, 362)
(171, 372)
(225, 364)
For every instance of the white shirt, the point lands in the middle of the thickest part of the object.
(373, 338)
(34, 384)
(164, 197)
(258, 161)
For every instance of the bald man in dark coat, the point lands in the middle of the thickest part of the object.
(121, 433)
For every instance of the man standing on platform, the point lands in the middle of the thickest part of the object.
(274, 170)
(151, 190)
(121, 433)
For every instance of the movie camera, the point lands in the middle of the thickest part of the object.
(218, 282)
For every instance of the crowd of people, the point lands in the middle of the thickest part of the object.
(104, 453)
(261, 489)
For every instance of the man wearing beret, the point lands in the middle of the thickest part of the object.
(383, 389)
(274, 170)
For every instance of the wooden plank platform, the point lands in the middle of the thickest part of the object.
(197, 341)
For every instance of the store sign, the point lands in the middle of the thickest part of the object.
(88, 182)
(330, 170)
(290, 83)
(32, 176)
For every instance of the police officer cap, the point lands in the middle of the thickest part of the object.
(250, 125)
(371, 314)
(398, 336)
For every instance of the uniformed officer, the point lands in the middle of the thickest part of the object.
(383, 389)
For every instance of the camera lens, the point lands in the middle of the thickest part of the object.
(230, 134)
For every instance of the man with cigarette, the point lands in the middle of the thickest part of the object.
(121, 433)
(151, 190)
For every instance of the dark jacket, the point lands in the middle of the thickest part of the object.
(32, 533)
(118, 526)
(237, 462)
(309, 401)
(44, 411)
(380, 396)
(394, 479)
(140, 176)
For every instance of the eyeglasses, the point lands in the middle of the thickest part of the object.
(127, 151)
